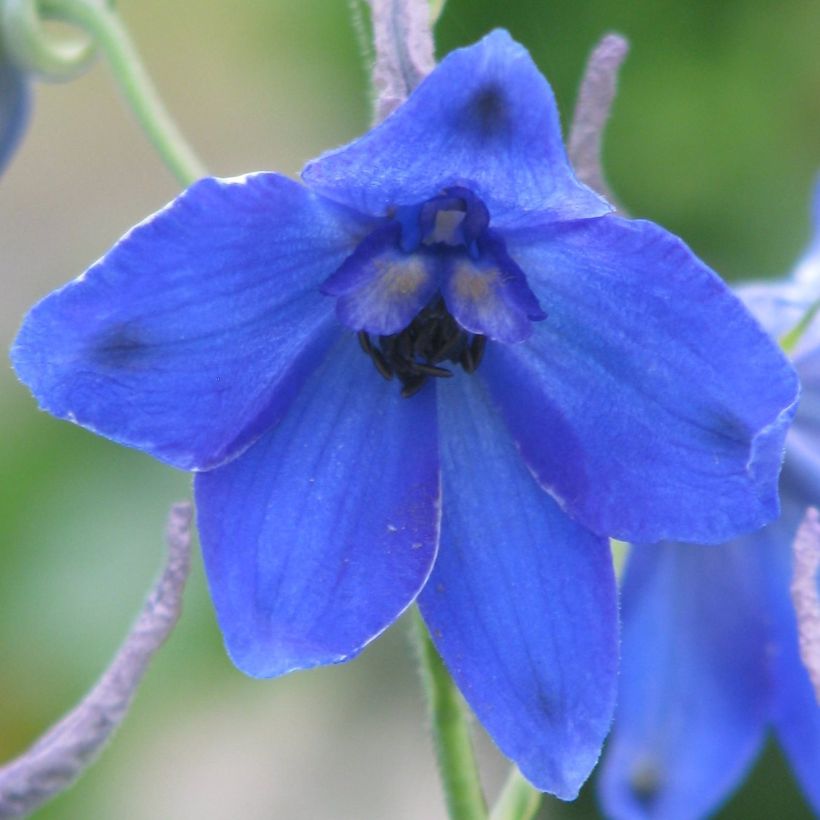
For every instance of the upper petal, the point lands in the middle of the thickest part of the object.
(694, 693)
(649, 401)
(191, 336)
(15, 94)
(323, 532)
(521, 602)
(485, 118)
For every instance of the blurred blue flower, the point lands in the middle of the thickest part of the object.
(710, 655)
(14, 106)
(619, 388)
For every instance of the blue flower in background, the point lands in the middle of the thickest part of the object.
(14, 106)
(440, 370)
(710, 654)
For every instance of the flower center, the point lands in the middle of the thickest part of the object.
(414, 354)
(432, 284)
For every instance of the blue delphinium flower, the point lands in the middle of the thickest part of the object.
(441, 337)
(14, 106)
(710, 655)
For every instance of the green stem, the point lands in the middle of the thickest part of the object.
(788, 341)
(102, 23)
(451, 732)
(34, 50)
(518, 800)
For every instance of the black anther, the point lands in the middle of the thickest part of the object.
(414, 355)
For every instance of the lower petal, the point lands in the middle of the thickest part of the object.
(320, 535)
(694, 693)
(521, 602)
(796, 711)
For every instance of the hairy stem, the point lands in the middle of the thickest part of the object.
(66, 750)
(451, 732)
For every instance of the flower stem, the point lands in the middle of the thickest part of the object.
(69, 747)
(103, 24)
(518, 800)
(451, 732)
(789, 341)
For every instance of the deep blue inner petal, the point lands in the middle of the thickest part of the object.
(430, 285)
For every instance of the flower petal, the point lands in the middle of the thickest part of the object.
(797, 718)
(484, 119)
(380, 288)
(649, 402)
(319, 536)
(192, 335)
(795, 712)
(803, 442)
(694, 693)
(489, 294)
(521, 602)
(15, 101)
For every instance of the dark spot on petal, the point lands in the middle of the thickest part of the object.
(645, 781)
(487, 110)
(120, 347)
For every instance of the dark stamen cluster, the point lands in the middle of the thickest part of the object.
(414, 355)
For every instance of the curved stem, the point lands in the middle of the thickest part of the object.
(35, 50)
(403, 47)
(518, 800)
(104, 26)
(66, 750)
(592, 109)
(451, 732)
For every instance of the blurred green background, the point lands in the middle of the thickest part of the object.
(715, 134)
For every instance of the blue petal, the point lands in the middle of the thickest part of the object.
(797, 715)
(484, 119)
(15, 102)
(649, 402)
(803, 441)
(381, 288)
(319, 536)
(795, 712)
(521, 602)
(192, 335)
(694, 693)
(489, 294)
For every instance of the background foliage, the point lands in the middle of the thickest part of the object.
(716, 134)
